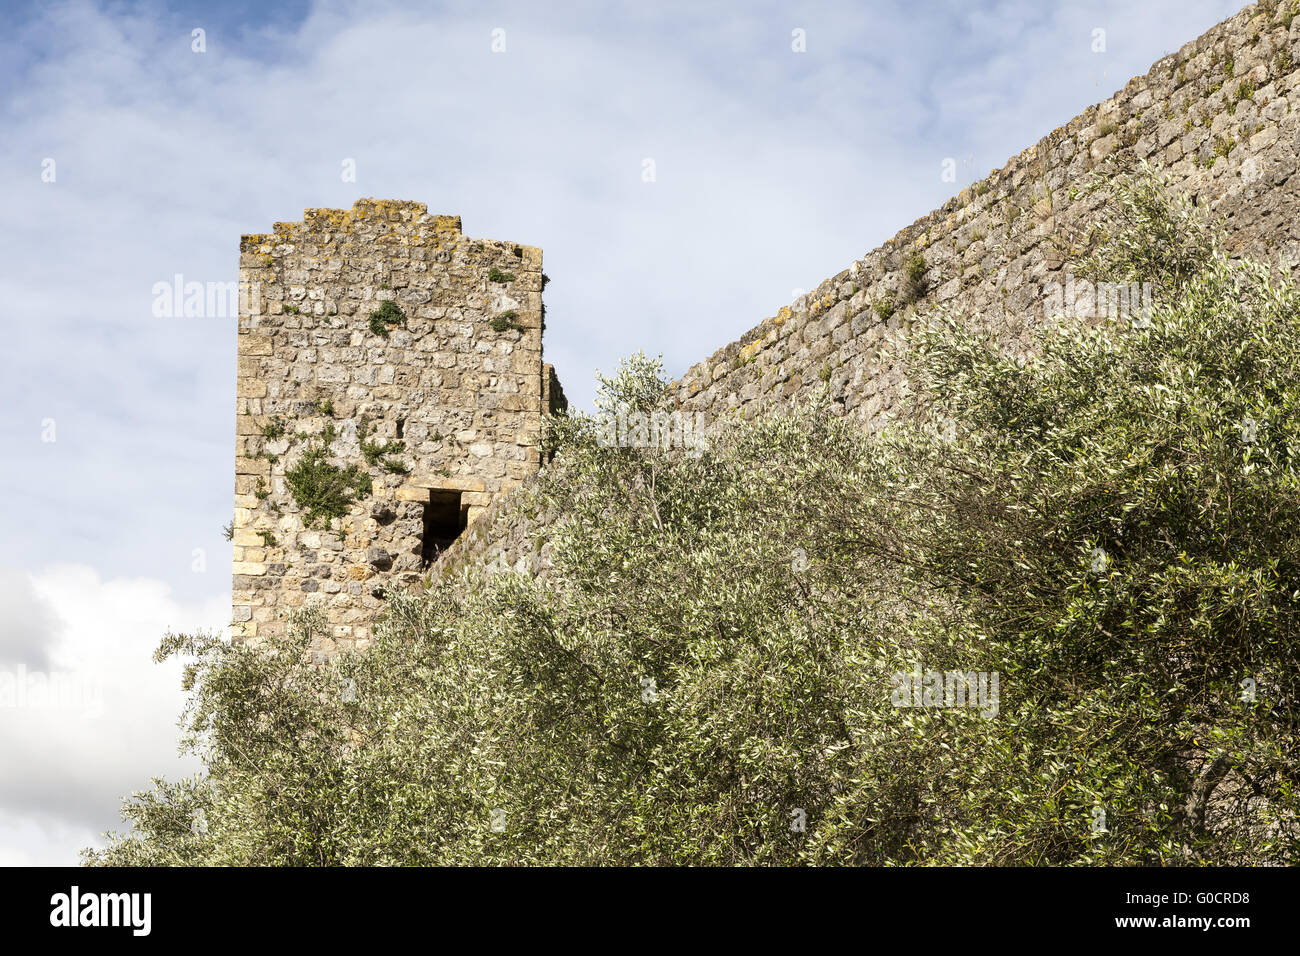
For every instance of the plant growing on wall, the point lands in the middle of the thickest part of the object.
(505, 321)
(389, 313)
(323, 490)
(913, 280)
(376, 452)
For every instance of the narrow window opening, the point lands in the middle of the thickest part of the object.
(444, 519)
(401, 428)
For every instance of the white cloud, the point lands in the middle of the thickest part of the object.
(29, 625)
(68, 762)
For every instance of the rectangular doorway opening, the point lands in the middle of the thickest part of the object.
(444, 519)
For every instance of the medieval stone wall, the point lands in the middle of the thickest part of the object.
(429, 407)
(1219, 117)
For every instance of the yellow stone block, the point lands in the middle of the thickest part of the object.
(254, 344)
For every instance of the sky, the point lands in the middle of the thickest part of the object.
(688, 167)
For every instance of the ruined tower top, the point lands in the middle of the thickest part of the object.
(391, 384)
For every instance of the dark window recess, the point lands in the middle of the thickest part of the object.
(401, 428)
(444, 520)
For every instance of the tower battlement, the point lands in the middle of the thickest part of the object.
(390, 387)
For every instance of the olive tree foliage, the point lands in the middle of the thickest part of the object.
(709, 673)
(638, 386)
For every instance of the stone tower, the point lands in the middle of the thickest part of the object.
(390, 386)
